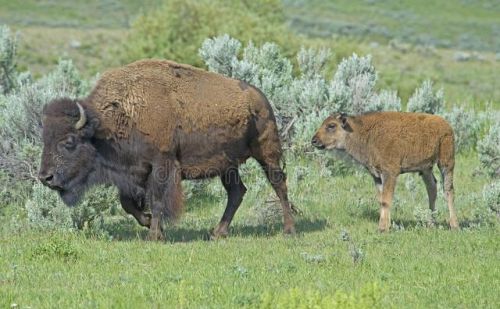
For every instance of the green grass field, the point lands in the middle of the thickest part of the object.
(337, 251)
(337, 248)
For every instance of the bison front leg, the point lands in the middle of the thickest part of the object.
(165, 193)
(130, 206)
(235, 189)
(388, 186)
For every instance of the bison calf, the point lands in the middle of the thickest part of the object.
(392, 143)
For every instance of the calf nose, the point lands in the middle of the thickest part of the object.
(316, 143)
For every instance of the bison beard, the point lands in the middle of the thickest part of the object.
(147, 126)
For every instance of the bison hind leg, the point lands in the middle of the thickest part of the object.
(277, 178)
(235, 189)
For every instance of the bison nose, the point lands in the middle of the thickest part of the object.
(46, 179)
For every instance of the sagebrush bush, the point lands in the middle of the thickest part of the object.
(386, 100)
(491, 196)
(46, 211)
(353, 84)
(312, 62)
(8, 72)
(89, 214)
(489, 150)
(425, 100)
(466, 127)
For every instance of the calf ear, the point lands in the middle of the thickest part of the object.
(345, 122)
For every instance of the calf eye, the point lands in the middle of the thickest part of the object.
(331, 127)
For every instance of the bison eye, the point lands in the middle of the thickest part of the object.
(69, 143)
(331, 127)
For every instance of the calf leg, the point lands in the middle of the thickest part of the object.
(131, 207)
(378, 187)
(235, 191)
(448, 191)
(388, 186)
(446, 164)
(165, 193)
(430, 186)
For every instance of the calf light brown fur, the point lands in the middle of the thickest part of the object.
(392, 143)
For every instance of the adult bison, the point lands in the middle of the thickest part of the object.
(147, 125)
(392, 143)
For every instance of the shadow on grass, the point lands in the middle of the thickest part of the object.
(129, 230)
(373, 215)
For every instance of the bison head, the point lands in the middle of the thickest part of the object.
(68, 157)
(332, 133)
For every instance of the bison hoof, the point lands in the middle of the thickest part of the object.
(454, 225)
(218, 234)
(155, 236)
(289, 230)
(146, 220)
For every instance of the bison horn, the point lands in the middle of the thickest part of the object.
(83, 119)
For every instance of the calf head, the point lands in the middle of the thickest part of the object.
(332, 133)
(68, 156)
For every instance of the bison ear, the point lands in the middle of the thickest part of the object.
(345, 122)
(90, 127)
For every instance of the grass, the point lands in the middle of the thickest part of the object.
(419, 269)
(337, 249)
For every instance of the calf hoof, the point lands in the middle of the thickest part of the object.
(454, 225)
(383, 229)
(383, 226)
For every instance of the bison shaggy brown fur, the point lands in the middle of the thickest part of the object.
(392, 143)
(147, 125)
